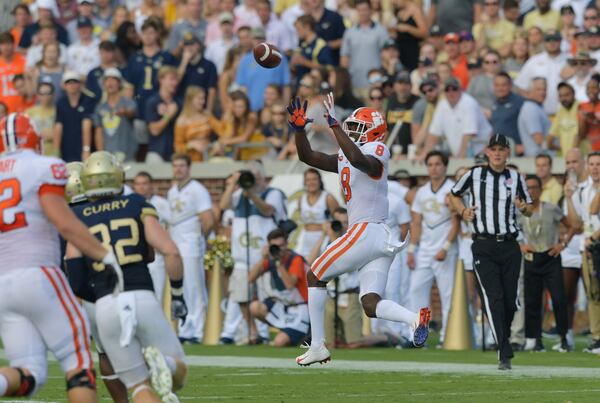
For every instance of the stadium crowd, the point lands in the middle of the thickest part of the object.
(148, 78)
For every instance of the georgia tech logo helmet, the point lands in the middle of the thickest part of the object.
(102, 175)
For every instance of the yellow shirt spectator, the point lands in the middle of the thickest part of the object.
(564, 128)
(495, 34)
(549, 21)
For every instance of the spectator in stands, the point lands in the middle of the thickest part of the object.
(361, 45)
(108, 59)
(271, 96)
(22, 17)
(533, 122)
(119, 15)
(245, 39)
(277, 132)
(518, 56)
(312, 51)
(103, 15)
(194, 125)
(213, 29)
(589, 124)
(217, 50)
(25, 99)
(285, 307)
(276, 32)
(45, 17)
(564, 129)
(547, 64)
(44, 116)
(456, 60)
(494, 31)
(543, 17)
(49, 69)
(454, 15)
(329, 26)
(590, 18)
(568, 27)
(460, 120)
(505, 111)
(424, 67)
(582, 66)
(255, 79)
(193, 22)
(83, 55)
(239, 125)
(593, 42)
(65, 11)
(481, 87)
(113, 117)
(11, 64)
(467, 46)
(423, 110)
(535, 40)
(128, 41)
(85, 9)
(227, 78)
(73, 128)
(376, 99)
(147, 10)
(382, 14)
(390, 58)
(411, 29)
(162, 110)
(195, 69)
(399, 109)
(551, 189)
(46, 35)
(245, 13)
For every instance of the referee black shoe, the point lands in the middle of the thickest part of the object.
(504, 364)
(593, 347)
(539, 346)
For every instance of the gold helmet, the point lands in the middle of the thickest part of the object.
(74, 191)
(102, 175)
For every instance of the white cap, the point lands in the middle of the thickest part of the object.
(70, 75)
(47, 4)
(112, 72)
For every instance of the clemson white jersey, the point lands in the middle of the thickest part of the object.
(27, 238)
(365, 196)
(186, 204)
(436, 220)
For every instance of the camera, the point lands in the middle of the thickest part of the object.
(274, 251)
(336, 226)
(246, 179)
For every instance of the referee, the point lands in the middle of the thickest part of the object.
(496, 192)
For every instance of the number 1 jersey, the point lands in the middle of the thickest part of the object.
(365, 196)
(27, 238)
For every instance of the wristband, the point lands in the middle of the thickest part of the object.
(462, 212)
(447, 245)
(176, 288)
(86, 148)
(411, 248)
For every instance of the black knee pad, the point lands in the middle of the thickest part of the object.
(85, 378)
(26, 384)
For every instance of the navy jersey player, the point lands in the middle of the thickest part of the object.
(138, 339)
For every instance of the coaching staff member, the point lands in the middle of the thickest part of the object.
(496, 193)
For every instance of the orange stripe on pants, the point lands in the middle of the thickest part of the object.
(343, 239)
(77, 309)
(342, 251)
(71, 321)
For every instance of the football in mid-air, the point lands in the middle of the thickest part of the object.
(267, 55)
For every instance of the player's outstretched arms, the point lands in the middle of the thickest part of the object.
(306, 154)
(366, 163)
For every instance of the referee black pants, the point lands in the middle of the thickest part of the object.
(542, 271)
(497, 266)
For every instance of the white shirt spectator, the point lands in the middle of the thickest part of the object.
(216, 52)
(579, 7)
(466, 117)
(34, 55)
(83, 58)
(289, 17)
(279, 35)
(579, 87)
(543, 65)
(245, 16)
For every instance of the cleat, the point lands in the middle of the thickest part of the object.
(170, 398)
(315, 354)
(160, 375)
(421, 328)
(504, 364)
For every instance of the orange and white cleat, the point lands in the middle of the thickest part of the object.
(421, 328)
(315, 354)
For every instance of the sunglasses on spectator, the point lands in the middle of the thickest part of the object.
(428, 90)
(491, 62)
(579, 63)
(376, 98)
(450, 88)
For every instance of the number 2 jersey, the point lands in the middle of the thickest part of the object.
(27, 238)
(118, 222)
(365, 196)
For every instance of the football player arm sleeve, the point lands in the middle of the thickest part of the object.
(70, 228)
(78, 275)
(158, 238)
(366, 163)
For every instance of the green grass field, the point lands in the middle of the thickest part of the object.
(267, 374)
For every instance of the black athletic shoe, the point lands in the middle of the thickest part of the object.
(539, 347)
(504, 364)
(593, 347)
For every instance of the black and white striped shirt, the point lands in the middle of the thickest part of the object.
(492, 194)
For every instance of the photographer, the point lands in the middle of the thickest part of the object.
(257, 210)
(349, 308)
(285, 307)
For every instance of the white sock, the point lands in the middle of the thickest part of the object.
(171, 364)
(317, 297)
(3, 385)
(390, 310)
